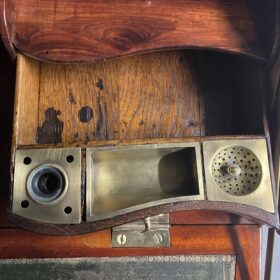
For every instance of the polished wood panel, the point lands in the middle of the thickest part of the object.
(71, 31)
(242, 241)
(206, 217)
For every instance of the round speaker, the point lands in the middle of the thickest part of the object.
(237, 170)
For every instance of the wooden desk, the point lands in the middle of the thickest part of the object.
(191, 232)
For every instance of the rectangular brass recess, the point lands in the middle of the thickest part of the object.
(125, 179)
(253, 186)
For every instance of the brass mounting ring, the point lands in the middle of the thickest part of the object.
(47, 184)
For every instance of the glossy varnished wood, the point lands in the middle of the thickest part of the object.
(208, 217)
(242, 241)
(257, 215)
(71, 31)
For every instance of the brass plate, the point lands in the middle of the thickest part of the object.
(149, 232)
(251, 185)
(65, 206)
(125, 179)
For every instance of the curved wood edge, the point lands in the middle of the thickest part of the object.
(258, 215)
(91, 31)
(273, 64)
(276, 42)
(52, 58)
(4, 31)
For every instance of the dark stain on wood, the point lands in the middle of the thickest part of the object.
(101, 130)
(51, 130)
(99, 84)
(72, 99)
(85, 114)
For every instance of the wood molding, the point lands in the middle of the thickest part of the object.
(88, 31)
(6, 23)
(259, 216)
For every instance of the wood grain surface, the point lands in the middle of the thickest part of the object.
(161, 95)
(84, 31)
(242, 241)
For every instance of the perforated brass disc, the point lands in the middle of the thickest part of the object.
(237, 170)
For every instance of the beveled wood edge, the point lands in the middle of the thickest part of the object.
(259, 216)
(276, 44)
(4, 31)
(107, 143)
(252, 56)
(13, 50)
(268, 140)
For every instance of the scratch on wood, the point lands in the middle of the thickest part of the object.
(72, 99)
(101, 131)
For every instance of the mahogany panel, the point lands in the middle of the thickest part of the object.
(258, 215)
(84, 31)
(206, 217)
(242, 241)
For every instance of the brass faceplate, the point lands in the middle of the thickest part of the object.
(57, 172)
(125, 179)
(238, 171)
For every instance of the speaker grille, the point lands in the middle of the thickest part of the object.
(237, 170)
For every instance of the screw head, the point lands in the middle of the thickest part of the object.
(158, 238)
(234, 170)
(121, 239)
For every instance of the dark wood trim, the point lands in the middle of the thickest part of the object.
(4, 28)
(259, 216)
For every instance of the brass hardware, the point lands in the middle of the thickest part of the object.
(120, 180)
(238, 171)
(124, 179)
(47, 185)
(150, 232)
(234, 170)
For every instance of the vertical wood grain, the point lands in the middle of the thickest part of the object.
(27, 110)
(159, 96)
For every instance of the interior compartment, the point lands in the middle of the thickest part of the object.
(170, 94)
(121, 178)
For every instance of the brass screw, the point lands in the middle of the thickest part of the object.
(121, 239)
(234, 170)
(158, 238)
